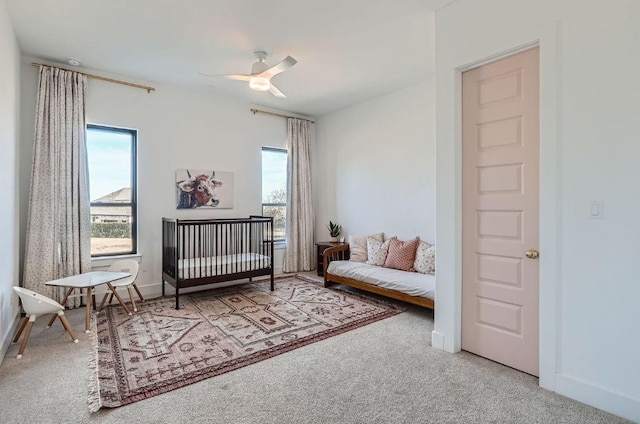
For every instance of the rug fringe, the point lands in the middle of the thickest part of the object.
(93, 396)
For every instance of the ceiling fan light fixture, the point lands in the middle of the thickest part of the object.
(259, 84)
(260, 77)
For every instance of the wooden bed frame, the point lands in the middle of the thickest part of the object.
(341, 253)
(216, 250)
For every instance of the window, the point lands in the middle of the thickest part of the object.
(274, 188)
(111, 156)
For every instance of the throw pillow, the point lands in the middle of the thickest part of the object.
(358, 246)
(425, 262)
(376, 251)
(401, 254)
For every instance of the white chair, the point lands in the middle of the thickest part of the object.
(34, 305)
(125, 265)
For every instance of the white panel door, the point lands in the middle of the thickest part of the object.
(500, 157)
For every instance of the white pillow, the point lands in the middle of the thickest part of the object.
(425, 262)
(377, 251)
(358, 246)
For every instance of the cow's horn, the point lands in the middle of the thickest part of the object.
(189, 174)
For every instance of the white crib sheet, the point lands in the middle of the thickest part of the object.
(221, 265)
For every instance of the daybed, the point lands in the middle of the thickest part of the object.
(196, 252)
(411, 287)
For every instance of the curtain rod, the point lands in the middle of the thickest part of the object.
(130, 84)
(278, 114)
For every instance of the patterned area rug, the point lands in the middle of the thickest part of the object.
(159, 349)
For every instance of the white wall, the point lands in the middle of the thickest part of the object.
(176, 129)
(374, 166)
(589, 152)
(9, 207)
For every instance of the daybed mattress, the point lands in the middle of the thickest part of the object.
(221, 265)
(411, 283)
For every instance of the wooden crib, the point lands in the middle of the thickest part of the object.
(196, 252)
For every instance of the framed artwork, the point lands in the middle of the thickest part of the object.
(198, 188)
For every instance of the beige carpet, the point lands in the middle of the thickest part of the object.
(159, 348)
(385, 372)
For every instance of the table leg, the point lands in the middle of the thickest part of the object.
(115, 293)
(64, 300)
(104, 299)
(87, 327)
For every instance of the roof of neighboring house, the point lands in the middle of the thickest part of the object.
(119, 196)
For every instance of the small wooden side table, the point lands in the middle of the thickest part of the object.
(321, 246)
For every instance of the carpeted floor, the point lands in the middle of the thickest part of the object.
(385, 372)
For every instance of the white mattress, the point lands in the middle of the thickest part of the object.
(221, 265)
(411, 283)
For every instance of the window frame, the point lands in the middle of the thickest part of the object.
(134, 184)
(286, 152)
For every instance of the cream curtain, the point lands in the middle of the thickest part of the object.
(58, 238)
(298, 255)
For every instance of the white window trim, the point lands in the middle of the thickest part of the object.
(99, 262)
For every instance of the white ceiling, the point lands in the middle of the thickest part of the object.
(348, 51)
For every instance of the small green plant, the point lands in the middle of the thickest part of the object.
(334, 229)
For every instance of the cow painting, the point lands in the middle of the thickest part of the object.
(198, 190)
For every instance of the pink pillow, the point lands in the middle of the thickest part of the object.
(401, 254)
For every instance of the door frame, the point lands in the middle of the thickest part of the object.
(448, 315)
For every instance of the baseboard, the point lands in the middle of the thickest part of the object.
(6, 340)
(437, 340)
(598, 397)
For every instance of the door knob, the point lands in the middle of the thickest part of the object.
(532, 254)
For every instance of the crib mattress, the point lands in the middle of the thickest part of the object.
(220, 265)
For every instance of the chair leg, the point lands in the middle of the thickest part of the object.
(22, 324)
(138, 291)
(32, 319)
(133, 303)
(67, 327)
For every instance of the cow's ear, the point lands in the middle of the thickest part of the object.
(187, 186)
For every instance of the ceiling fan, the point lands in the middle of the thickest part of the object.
(261, 74)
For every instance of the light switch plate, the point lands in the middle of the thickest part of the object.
(596, 210)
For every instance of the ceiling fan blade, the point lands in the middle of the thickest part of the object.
(276, 92)
(238, 77)
(287, 63)
(232, 76)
